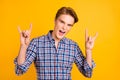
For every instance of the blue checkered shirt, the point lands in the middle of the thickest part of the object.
(52, 63)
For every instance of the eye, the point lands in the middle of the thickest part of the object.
(61, 21)
(70, 25)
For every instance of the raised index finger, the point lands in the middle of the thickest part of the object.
(86, 34)
(19, 30)
(30, 29)
(95, 36)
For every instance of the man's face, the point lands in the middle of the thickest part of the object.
(63, 25)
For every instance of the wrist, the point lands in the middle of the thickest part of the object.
(23, 46)
(88, 50)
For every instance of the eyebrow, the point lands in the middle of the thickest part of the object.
(64, 22)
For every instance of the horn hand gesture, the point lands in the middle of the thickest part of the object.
(89, 41)
(25, 36)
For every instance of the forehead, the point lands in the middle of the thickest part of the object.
(66, 18)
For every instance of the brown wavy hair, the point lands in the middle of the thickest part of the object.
(67, 10)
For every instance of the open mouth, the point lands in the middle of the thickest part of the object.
(61, 31)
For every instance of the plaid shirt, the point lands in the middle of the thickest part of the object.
(52, 63)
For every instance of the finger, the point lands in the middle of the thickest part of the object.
(89, 39)
(24, 33)
(30, 29)
(19, 30)
(86, 35)
(27, 33)
(95, 36)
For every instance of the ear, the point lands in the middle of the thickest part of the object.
(54, 21)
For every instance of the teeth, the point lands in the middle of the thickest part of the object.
(62, 31)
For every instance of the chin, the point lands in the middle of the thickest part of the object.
(60, 37)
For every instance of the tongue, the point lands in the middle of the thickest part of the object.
(61, 33)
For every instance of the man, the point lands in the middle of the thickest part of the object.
(53, 54)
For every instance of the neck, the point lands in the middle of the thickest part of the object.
(56, 39)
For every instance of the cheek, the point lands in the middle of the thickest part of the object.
(68, 29)
(57, 27)
(60, 24)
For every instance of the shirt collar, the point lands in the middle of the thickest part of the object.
(49, 35)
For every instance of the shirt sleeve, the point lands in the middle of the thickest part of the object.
(30, 57)
(82, 64)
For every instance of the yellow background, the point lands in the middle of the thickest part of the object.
(102, 16)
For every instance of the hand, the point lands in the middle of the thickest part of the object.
(89, 41)
(25, 36)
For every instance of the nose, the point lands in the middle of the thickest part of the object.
(64, 27)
